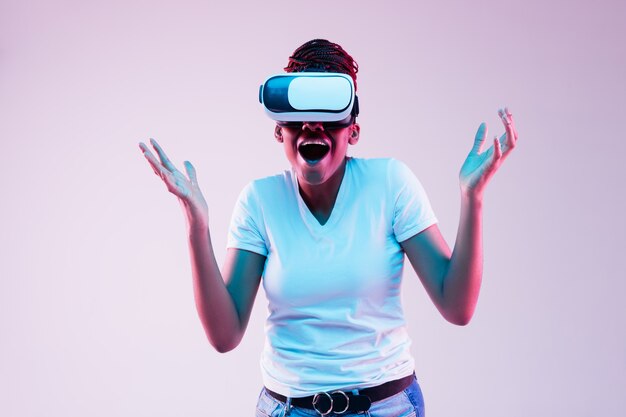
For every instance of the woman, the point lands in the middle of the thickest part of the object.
(328, 240)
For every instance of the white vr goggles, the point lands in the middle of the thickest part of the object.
(293, 98)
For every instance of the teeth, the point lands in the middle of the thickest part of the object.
(313, 149)
(314, 142)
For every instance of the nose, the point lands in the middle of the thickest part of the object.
(313, 126)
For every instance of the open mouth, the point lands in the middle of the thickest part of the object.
(313, 151)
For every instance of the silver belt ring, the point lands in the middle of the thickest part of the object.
(316, 398)
(347, 401)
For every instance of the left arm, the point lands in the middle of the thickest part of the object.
(452, 281)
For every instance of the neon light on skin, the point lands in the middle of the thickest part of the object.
(319, 180)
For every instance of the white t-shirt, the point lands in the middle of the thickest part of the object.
(335, 317)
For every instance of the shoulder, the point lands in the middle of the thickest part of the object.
(388, 169)
(374, 164)
(272, 183)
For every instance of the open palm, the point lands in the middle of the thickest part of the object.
(480, 165)
(186, 189)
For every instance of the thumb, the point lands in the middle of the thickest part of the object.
(479, 140)
(191, 172)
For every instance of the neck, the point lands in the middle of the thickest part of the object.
(320, 198)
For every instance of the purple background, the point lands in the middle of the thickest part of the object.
(96, 306)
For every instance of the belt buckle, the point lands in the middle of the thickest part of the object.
(347, 401)
(316, 400)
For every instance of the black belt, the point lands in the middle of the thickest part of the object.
(340, 402)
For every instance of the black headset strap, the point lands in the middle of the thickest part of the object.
(355, 107)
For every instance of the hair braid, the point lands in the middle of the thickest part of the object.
(322, 55)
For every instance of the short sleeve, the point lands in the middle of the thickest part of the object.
(246, 231)
(412, 210)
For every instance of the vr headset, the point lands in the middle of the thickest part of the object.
(326, 97)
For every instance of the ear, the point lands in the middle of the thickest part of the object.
(278, 134)
(354, 134)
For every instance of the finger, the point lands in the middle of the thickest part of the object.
(514, 130)
(502, 141)
(494, 161)
(505, 146)
(144, 148)
(191, 172)
(494, 155)
(509, 115)
(510, 137)
(497, 154)
(164, 159)
(156, 165)
(479, 140)
(508, 126)
(504, 116)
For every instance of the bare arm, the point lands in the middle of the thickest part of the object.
(453, 280)
(223, 305)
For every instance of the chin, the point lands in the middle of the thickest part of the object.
(313, 178)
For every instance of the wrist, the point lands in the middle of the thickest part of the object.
(472, 197)
(197, 218)
(197, 224)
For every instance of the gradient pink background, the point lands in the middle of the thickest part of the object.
(96, 306)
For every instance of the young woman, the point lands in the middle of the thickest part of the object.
(328, 240)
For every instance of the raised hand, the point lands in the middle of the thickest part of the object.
(186, 189)
(480, 165)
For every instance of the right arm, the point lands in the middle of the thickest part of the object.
(224, 303)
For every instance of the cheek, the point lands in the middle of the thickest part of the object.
(289, 150)
(341, 141)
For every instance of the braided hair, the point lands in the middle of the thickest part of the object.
(322, 55)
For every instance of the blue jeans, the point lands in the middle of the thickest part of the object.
(407, 403)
